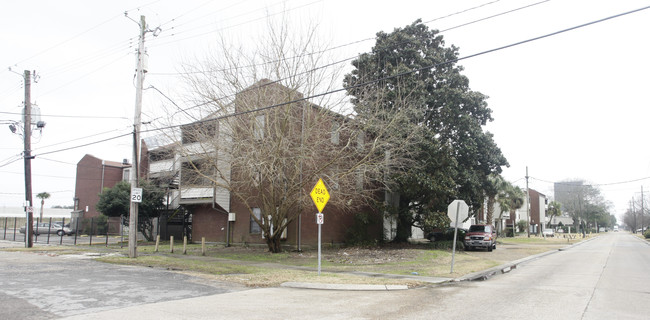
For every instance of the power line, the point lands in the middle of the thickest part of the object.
(228, 27)
(381, 79)
(68, 116)
(81, 138)
(593, 184)
(463, 11)
(494, 16)
(85, 145)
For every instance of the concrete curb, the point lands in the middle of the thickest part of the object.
(343, 287)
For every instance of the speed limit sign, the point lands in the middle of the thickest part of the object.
(136, 194)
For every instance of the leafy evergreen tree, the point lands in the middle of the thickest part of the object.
(411, 68)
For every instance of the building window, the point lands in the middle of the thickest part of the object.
(254, 226)
(196, 173)
(258, 127)
(199, 131)
(126, 174)
(361, 140)
(335, 132)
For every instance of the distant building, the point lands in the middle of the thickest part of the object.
(93, 175)
(538, 202)
(566, 193)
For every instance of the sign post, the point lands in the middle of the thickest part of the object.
(461, 211)
(320, 196)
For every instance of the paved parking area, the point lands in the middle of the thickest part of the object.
(39, 286)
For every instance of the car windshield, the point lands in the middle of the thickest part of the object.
(479, 229)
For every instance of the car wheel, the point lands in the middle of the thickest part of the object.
(469, 248)
(60, 233)
(489, 248)
(494, 246)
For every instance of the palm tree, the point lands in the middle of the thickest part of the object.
(554, 210)
(494, 189)
(42, 196)
(512, 200)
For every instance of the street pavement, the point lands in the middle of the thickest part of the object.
(603, 278)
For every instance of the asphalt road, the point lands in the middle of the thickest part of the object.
(607, 277)
(38, 286)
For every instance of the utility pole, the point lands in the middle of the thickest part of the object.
(527, 205)
(641, 210)
(634, 215)
(29, 208)
(135, 164)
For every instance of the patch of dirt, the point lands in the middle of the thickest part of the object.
(365, 256)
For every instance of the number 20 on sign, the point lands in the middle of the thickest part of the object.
(320, 195)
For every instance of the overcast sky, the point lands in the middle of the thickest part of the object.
(570, 106)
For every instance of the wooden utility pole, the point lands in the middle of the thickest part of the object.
(642, 210)
(527, 205)
(135, 164)
(29, 207)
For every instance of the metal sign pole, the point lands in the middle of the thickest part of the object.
(453, 250)
(319, 232)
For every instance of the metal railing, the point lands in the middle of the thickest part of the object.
(81, 231)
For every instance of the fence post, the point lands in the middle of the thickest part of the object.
(122, 231)
(35, 231)
(92, 220)
(76, 230)
(62, 226)
(49, 229)
(15, 221)
(107, 224)
(202, 246)
(5, 235)
(157, 242)
(185, 245)
(171, 244)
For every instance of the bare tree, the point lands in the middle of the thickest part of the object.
(267, 142)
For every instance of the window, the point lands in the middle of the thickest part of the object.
(254, 227)
(335, 132)
(199, 176)
(258, 127)
(198, 131)
(126, 174)
(361, 140)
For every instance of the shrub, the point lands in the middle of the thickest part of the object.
(647, 234)
(521, 225)
(359, 233)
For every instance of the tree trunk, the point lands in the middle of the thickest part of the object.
(274, 244)
(489, 217)
(404, 222)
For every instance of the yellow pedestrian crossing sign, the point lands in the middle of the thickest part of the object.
(320, 195)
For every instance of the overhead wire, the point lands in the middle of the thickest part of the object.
(494, 16)
(383, 78)
(68, 116)
(155, 44)
(323, 51)
(593, 184)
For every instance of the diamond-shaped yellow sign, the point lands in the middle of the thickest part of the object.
(320, 195)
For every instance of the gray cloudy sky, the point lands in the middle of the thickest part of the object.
(573, 105)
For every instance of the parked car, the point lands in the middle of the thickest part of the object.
(446, 234)
(44, 228)
(548, 232)
(480, 236)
